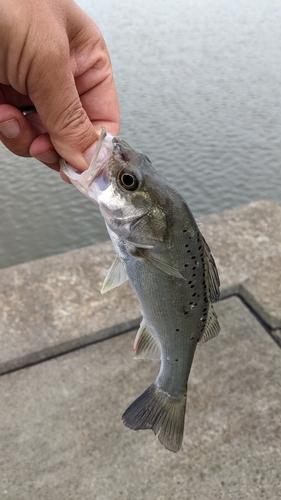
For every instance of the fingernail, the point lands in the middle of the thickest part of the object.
(90, 153)
(10, 128)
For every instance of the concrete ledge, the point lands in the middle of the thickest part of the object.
(54, 305)
(246, 243)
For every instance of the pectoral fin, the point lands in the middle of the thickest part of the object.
(116, 276)
(165, 268)
(145, 345)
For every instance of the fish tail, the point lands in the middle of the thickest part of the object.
(158, 411)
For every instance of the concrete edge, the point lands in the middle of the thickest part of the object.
(271, 320)
(68, 346)
(276, 335)
(229, 291)
(120, 328)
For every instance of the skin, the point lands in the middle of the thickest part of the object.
(53, 56)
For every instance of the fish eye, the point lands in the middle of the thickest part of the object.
(128, 180)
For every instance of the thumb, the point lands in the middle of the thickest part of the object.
(52, 89)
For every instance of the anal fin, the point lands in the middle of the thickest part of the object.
(146, 346)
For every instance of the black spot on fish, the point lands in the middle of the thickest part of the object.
(185, 231)
(177, 330)
(189, 283)
(191, 286)
(194, 294)
(185, 265)
(186, 246)
(176, 359)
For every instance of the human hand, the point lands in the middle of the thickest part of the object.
(53, 57)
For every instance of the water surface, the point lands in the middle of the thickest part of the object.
(199, 84)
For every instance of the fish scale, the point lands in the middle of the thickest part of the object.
(161, 250)
(164, 303)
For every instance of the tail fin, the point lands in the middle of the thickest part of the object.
(158, 411)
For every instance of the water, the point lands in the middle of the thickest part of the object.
(199, 83)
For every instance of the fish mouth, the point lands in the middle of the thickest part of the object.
(84, 181)
(97, 163)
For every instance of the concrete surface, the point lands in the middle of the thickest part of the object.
(52, 306)
(62, 438)
(61, 434)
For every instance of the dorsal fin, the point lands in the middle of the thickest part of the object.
(212, 327)
(116, 276)
(146, 346)
(214, 279)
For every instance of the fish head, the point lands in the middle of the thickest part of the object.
(118, 180)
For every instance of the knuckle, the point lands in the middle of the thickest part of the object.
(72, 119)
(74, 125)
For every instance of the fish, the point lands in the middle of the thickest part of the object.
(161, 250)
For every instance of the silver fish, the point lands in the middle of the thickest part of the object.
(161, 250)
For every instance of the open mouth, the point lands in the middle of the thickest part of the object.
(101, 155)
(84, 181)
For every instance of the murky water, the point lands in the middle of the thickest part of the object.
(199, 83)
